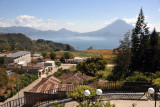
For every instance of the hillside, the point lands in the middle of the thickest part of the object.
(105, 38)
(13, 41)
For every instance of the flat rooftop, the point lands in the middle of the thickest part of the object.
(18, 54)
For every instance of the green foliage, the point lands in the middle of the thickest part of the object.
(78, 94)
(53, 55)
(18, 71)
(13, 41)
(138, 78)
(2, 61)
(58, 63)
(55, 104)
(44, 54)
(26, 79)
(59, 72)
(92, 65)
(3, 77)
(122, 61)
(62, 59)
(2, 98)
(68, 55)
(90, 80)
(68, 48)
(156, 82)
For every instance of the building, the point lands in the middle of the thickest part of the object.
(36, 56)
(50, 65)
(79, 59)
(21, 57)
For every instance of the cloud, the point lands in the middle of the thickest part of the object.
(70, 23)
(4, 24)
(131, 21)
(107, 22)
(159, 9)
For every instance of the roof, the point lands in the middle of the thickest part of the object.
(36, 55)
(49, 62)
(18, 54)
(48, 84)
(21, 62)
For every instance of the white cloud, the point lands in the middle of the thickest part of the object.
(131, 21)
(159, 9)
(70, 23)
(107, 22)
(4, 24)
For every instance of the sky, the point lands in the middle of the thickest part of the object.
(76, 15)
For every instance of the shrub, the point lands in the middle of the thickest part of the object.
(58, 63)
(156, 82)
(2, 98)
(78, 93)
(138, 78)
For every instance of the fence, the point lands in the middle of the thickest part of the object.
(38, 98)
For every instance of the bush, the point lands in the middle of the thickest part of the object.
(2, 98)
(156, 82)
(78, 93)
(18, 70)
(138, 78)
(58, 63)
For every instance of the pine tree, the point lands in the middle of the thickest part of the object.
(140, 43)
(155, 63)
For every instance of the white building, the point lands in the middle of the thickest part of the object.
(49, 65)
(79, 59)
(21, 57)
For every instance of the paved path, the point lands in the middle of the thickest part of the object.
(123, 103)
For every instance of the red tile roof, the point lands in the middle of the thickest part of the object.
(48, 84)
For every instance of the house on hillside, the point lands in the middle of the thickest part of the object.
(36, 56)
(69, 60)
(49, 65)
(79, 59)
(21, 58)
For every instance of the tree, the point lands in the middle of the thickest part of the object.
(62, 59)
(92, 65)
(90, 48)
(3, 77)
(2, 61)
(155, 62)
(53, 55)
(68, 55)
(68, 48)
(122, 61)
(44, 54)
(139, 43)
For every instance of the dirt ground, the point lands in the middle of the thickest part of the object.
(124, 103)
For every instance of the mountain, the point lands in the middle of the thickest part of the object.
(18, 41)
(109, 35)
(115, 29)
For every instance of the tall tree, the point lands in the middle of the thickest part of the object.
(140, 43)
(155, 63)
(121, 69)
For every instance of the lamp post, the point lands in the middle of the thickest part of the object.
(98, 92)
(152, 91)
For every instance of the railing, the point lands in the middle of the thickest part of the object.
(38, 98)
(14, 103)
